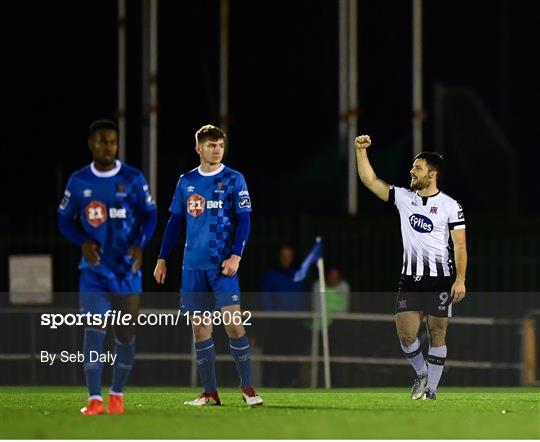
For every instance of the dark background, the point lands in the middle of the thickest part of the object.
(61, 64)
(59, 59)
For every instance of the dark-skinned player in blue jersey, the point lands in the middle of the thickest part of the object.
(108, 211)
(213, 201)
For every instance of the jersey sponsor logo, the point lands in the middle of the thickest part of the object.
(244, 202)
(421, 223)
(196, 205)
(96, 213)
(115, 212)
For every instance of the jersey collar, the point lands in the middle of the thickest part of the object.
(108, 173)
(215, 172)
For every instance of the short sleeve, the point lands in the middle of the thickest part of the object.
(456, 218)
(241, 198)
(396, 195)
(177, 205)
(68, 206)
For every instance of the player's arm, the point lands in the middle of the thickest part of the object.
(460, 257)
(241, 234)
(148, 227)
(69, 228)
(366, 172)
(148, 213)
(68, 211)
(171, 237)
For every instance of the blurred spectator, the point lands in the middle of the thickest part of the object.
(284, 336)
(279, 291)
(336, 294)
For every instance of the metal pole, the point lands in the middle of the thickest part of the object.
(224, 66)
(418, 112)
(149, 81)
(324, 324)
(153, 86)
(121, 104)
(343, 77)
(353, 105)
(315, 344)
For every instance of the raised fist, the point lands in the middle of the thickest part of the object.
(362, 142)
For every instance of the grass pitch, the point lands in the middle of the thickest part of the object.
(159, 413)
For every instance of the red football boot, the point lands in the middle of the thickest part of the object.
(116, 404)
(94, 407)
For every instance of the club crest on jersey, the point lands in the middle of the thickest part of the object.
(220, 188)
(433, 210)
(402, 303)
(96, 213)
(421, 223)
(121, 190)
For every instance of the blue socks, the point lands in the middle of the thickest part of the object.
(93, 341)
(125, 354)
(242, 357)
(206, 363)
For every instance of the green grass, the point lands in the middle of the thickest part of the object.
(158, 413)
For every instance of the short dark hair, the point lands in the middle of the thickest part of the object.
(209, 132)
(434, 161)
(102, 124)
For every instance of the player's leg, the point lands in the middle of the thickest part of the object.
(437, 352)
(127, 301)
(93, 299)
(196, 300)
(439, 309)
(227, 293)
(409, 315)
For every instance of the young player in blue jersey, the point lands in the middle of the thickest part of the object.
(108, 211)
(213, 201)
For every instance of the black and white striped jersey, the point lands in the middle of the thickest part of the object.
(425, 229)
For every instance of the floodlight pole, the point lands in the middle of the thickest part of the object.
(121, 103)
(150, 93)
(224, 66)
(417, 86)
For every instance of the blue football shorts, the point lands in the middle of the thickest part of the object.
(96, 291)
(206, 290)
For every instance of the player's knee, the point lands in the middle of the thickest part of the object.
(437, 337)
(235, 331)
(407, 339)
(201, 332)
(125, 334)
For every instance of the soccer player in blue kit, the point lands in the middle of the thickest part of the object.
(108, 211)
(213, 201)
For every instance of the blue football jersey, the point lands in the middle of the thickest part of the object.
(209, 203)
(110, 206)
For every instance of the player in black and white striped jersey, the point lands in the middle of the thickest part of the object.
(433, 233)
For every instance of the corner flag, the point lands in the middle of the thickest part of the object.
(314, 254)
